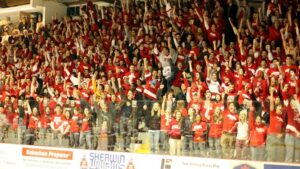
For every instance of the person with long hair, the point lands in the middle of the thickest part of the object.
(86, 136)
(242, 138)
(275, 138)
(175, 134)
(230, 119)
(75, 125)
(154, 127)
(165, 121)
(258, 136)
(199, 128)
(188, 131)
(33, 124)
(214, 134)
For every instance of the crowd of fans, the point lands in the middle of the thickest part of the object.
(214, 78)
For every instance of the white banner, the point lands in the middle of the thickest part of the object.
(33, 157)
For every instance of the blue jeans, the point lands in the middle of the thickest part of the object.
(200, 148)
(188, 145)
(154, 140)
(275, 148)
(164, 140)
(86, 139)
(215, 149)
(258, 153)
(290, 148)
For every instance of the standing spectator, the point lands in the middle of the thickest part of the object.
(75, 126)
(33, 125)
(188, 131)
(258, 136)
(3, 124)
(45, 130)
(228, 138)
(65, 128)
(154, 127)
(215, 132)
(199, 129)
(275, 138)
(86, 135)
(292, 132)
(175, 134)
(242, 138)
(56, 123)
(165, 121)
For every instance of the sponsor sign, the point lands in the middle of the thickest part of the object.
(274, 166)
(46, 153)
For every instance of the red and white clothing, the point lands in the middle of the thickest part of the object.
(199, 129)
(258, 133)
(175, 129)
(215, 130)
(277, 123)
(57, 121)
(230, 121)
(74, 123)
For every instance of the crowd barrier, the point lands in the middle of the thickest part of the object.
(36, 157)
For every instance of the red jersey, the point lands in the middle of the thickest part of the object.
(45, 120)
(15, 123)
(33, 122)
(230, 121)
(75, 123)
(199, 129)
(175, 129)
(86, 125)
(215, 130)
(206, 110)
(277, 123)
(293, 121)
(165, 122)
(56, 121)
(258, 133)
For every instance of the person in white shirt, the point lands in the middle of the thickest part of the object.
(242, 137)
(5, 38)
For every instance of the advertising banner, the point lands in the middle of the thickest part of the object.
(33, 157)
(193, 163)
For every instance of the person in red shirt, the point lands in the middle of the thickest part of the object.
(292, 132)
(165, 121)
(199, 129)
(175, 134)
(56, 123)
(230, 119)
(258, 136)
(33, 124)
(3, 123)
(275, 139)
(45, 129)
(215, 132)
(75, 125)
(65, 128)
(87, 125)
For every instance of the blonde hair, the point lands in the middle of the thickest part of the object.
(217, 117)
(243, 113)
(158, 110)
